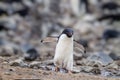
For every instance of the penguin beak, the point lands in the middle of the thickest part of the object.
(69, 34)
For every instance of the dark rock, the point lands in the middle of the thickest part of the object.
(113, 13)
(22, 12)
(3, 28)
(108, 34)
(11, 1)
(110, 5)
(111, 17)
(3, 12)
(84, 42)
(11, 69)
(31, 55)
(114, 56)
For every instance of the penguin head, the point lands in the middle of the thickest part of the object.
(68, 32)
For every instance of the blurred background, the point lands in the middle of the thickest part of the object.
(23, 23)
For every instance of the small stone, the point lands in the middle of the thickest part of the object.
(7, 73)
(49, 67)
(86, 68)
(76, 70)
(106, 73)
(11, 70)
(35, 64)
(45, 73)
(63, 70)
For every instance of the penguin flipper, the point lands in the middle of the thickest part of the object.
(49, 39)
(79, 47)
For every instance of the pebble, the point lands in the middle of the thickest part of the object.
(7, 73)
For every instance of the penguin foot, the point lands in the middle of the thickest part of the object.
(57, 69)
(70, 72)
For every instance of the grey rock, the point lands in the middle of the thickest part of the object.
(35, 64)
(101, 58)
(86, 68)
(105, 73)
(76, 70)
(63, 70)
(113, 65)
(18, 62)
(46, 65)
(89, 69)
(8, 22)
(114, 56)
(3, 41)
(26, 46)
(6, 51)
(9, 49)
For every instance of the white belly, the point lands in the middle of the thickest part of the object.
(64, 53)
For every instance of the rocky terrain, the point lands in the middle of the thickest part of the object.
(24, 23)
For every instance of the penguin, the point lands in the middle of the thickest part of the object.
(63, 58)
